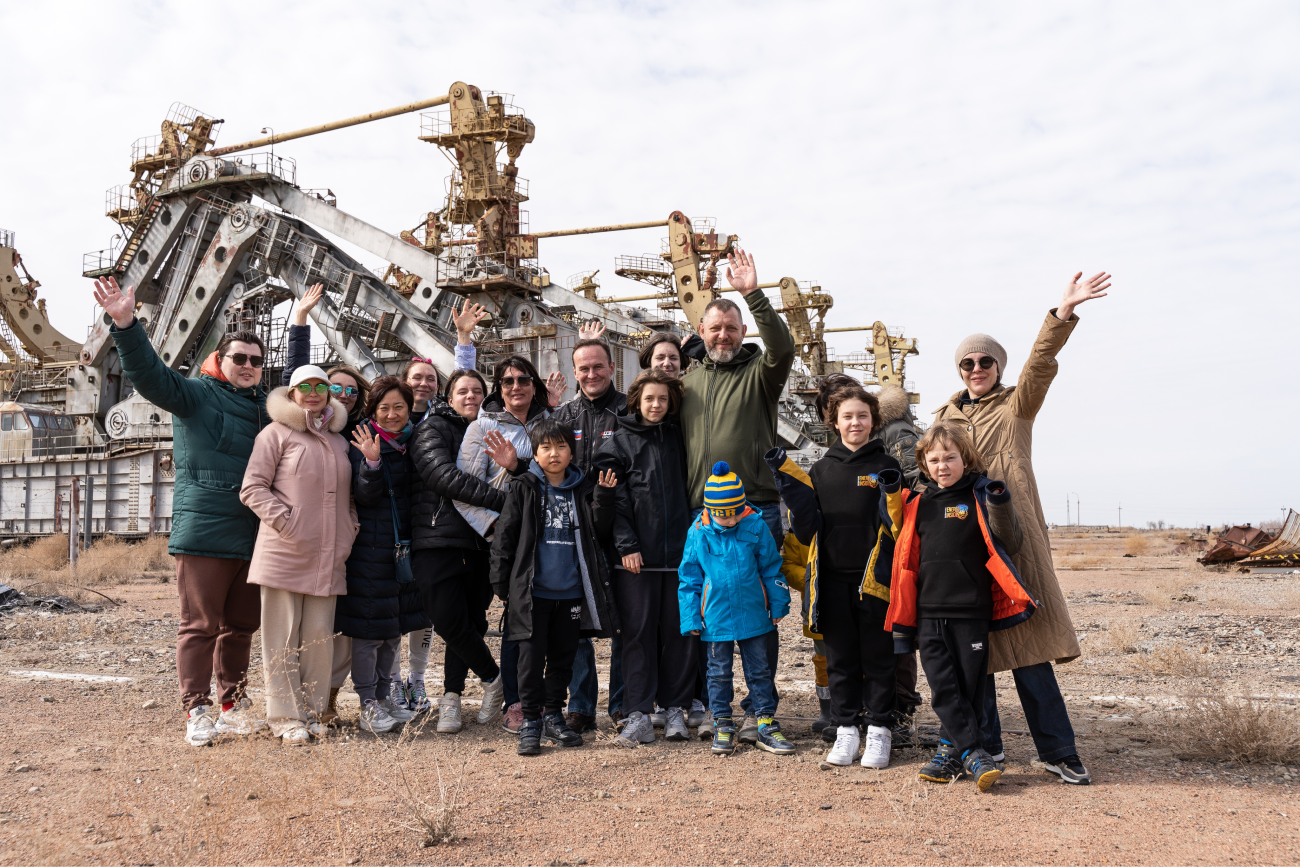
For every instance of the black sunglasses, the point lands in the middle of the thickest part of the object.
(521, 379)
(241, 359)
(986, 361)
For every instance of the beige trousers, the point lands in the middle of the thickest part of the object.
(342, 661)
(297, 657)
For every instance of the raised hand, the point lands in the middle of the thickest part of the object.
(500, 450)
(308, 300)
(467, 320)
(1077, 293)
(741, 275)
(555, 385)
(366, 442)
(632, 563)
(119, 305)
(592, 330)
(607, 479)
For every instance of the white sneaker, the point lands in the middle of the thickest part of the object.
(845, 751)
(697, 714)
(298, 736)
(879, 742)
(494, 694)
(449, 714)
(200, 728)
(397, 710)
(240, 719)
(317, 730)
(374, 718)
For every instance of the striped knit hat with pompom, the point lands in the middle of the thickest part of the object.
(724, 495)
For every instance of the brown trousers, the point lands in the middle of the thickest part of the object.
(297, 657)
(220, 611)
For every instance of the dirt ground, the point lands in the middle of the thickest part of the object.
(98, 773)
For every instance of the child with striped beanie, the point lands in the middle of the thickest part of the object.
(731, 593)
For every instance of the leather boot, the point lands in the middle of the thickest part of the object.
(331, 715)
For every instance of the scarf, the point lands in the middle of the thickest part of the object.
(398, 440)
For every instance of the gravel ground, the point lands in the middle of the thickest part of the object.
(97, 772)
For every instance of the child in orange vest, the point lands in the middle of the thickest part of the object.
(952, 583)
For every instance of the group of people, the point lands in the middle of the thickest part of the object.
(339, 514)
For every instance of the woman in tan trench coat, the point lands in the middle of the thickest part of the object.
(1001, 420)
(299, 482)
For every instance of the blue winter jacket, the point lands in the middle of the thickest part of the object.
(729, 583)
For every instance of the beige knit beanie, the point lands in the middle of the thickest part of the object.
(987, 345)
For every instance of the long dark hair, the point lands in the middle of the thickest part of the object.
(541, 398)
(648, 351)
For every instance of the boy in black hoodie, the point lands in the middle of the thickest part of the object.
(546, 568)
(953, 581)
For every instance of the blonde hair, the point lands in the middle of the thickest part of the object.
(949, 435)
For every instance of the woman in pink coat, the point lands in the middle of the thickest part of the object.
(299, 482)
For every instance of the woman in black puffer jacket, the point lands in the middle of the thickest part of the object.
(450, 558)
(377, 611)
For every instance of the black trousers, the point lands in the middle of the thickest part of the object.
(908, 698)
(955, 656)
(860, 662)
(546, 659)
(658, 661)
(457, 594)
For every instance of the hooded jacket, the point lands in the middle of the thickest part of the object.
(729, 584)
(898, 433)
(299, 483)
(729, 409)
(1012, 602)
(647, 512)
(437, 523)
(593, 422)
(1002, 425)
(864, 540)
(376, 606)
(513, 561)
(213, 428)
(474, 460)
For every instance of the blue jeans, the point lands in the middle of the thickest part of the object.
(1040, 697)
(584, 688)
(758, 676)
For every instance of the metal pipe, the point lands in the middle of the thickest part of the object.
(327, 127)
(618, 227)
(622, 299)
(854, 328)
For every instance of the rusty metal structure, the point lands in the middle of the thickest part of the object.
(216, 239)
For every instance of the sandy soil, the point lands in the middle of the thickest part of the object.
(92, 775)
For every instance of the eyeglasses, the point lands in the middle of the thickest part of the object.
(985, 362)
(241, 359)
(521, 379)
(345, 390)
(321, 388)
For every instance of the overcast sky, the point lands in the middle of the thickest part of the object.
(944, 167)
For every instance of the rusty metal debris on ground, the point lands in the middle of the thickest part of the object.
(1237, 543)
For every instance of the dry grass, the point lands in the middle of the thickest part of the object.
(1121, 636)
(1174, 660)
(1242, 730)
(109, 561)
(1137, 546)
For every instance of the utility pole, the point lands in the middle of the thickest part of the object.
(1121, 516)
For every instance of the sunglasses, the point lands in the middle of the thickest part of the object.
(522, 379)
(320, 388)
(241, 359)
(985, 362)
(345, 390)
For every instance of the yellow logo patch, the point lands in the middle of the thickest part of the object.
(868, 481)
(959, 512)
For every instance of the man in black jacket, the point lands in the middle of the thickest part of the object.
(593, 415)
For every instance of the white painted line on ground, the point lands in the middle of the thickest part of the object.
(60, 675)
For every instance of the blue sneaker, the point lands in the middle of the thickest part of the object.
(944, 767)
(771, 739)
(980, 765)
(724, 736)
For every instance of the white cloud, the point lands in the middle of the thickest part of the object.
(942, 166)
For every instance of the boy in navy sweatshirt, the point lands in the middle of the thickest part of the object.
(953, 581)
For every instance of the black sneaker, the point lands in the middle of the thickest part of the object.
(944, 767)
(1070, 770)
(556, 730)
(903, 732)
(724, 736)
(530, 738)
(824, 718)
(981, 766)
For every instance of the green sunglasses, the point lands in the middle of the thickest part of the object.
(321, 388)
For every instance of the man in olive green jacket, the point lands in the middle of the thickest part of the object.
(729, 410)
(216, 417)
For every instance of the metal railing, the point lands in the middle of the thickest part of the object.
(7, 238)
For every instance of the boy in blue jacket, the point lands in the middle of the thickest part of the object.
(731, 593)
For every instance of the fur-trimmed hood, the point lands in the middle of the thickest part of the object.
(894, 403)
(280, 407)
